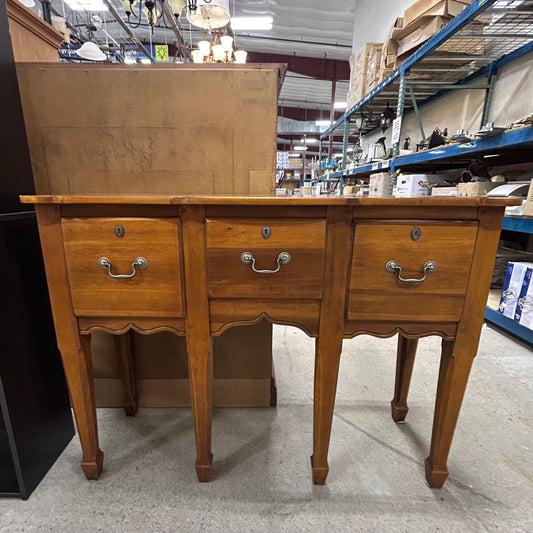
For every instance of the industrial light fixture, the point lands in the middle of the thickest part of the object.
(152, 9)
(340, 105)
(301, 148)
(218, 50)
(310, 140)
(208, 14)
(322, 122)
(90, 51)
(387, 117)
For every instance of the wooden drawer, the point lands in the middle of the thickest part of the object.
(378, 294)
(153, 291)
(229, 277)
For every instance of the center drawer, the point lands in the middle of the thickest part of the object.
(264, 240)
(377, 292)
(152, 291)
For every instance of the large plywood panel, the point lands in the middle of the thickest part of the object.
(147, 129)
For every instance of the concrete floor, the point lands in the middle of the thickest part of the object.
(262, 479)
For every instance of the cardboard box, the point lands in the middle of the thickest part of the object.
(374, 61)
(524, 307)
(444, 191)
(419, 32)
(358, 72)
(412, 185)
(380, 185)
(528, 208)
(476, 188)
(390, 46)
(512, 287)
(443, 8)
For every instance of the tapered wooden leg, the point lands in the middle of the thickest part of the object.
(453, 377)
(79, 371)
(405, 361)
(75, 349)
(199, 345)
(200, 356)
(330, 333)
(327, 359)
(130, 396)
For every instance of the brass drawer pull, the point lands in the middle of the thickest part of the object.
(284, 258)
(141, 263)
(393, 266)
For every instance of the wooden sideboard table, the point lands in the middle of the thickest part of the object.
(334, 267)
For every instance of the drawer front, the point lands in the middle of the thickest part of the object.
(152, 291)
(378, 294)
(229, 277)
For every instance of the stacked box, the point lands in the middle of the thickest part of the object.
(475, 188)
(426, 8)
(358, 73)
(421, 21)
(380, 185)
(295, 162)
(512, 287)
(282, 160)
(524, 307)
(389, 53)
(418, 32)
(372, 70)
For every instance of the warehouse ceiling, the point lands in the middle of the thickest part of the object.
(301, 29)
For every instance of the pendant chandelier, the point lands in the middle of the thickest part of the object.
(206, 14)
(218, 50)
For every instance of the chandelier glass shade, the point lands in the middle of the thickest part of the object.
(209, 14)
(219, 50)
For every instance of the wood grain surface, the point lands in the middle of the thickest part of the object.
(375, 292)
(154, 291)
(229, 277)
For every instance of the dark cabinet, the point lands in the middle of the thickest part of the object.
(35, 416)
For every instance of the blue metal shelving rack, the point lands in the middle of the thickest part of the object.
(466, 53)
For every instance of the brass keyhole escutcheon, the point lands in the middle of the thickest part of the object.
(416, 232)
(119, 231)
(266, 232)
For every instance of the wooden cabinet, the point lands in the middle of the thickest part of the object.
(337, 284)
(32, 37)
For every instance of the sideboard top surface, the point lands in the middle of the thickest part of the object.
(171, 199)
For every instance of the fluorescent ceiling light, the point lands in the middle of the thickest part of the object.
(295, 155)
(87, 5)
(251, 23)
(312, 140)
(507, 4)
(340, 105)
(299, 147)
(322, 122)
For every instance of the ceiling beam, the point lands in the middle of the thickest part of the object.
(305, 114)
(319, 68)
